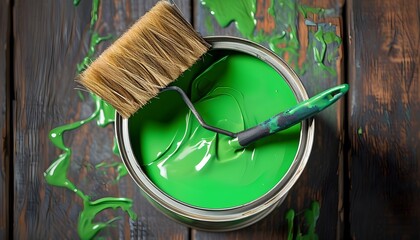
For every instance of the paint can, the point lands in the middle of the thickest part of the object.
(241, 216)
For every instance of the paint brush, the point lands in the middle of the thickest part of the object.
(154, 52)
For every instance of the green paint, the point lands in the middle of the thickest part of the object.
(241, 12)
(94, 41)
(95, 37)
(209, 25)
(360, 131)
(304, 10)
(106, 113)
(284, 40)
(290, 216)
(323, 38)
(311, 216)
(86, 228)
(94, 13)
(115, 148)
(199, 167)
(57, 173)
(270, 9)
(118, 166)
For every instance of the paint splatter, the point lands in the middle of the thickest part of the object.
(311, 216)
(323, 42)
(56, 174)
(119, 167)
(241, 12)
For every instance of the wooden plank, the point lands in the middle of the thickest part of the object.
(322, 180)
(384, 113)
(5, 101)
(51, 38)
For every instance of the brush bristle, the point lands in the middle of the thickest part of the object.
(154, 52)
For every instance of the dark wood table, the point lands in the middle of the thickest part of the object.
(364, 168)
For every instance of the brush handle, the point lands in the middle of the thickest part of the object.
(292, 116)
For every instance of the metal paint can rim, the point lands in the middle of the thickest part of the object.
(241, 216)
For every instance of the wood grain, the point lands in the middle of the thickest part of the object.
(322, 179)
(5, 132)
(383, 117)
(50, 40)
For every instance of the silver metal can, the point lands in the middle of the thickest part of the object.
(241, 216)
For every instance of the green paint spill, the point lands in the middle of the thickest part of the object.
(94, 41)
(86, 228)
(284, 40)
(242, 12)
(311, 216)
(104, 114)
(324, 37)
(115, 148)
(290, 216)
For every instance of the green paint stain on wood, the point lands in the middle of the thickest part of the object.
(117, 166)
(284, 40)
(242, 12)
(57, 173)
(311, 216)
(87, 228)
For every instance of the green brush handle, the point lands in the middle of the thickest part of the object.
(292, 116)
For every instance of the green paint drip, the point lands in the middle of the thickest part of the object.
(86, 228)
(94, 41)
(94, 13)
(115, 148)
(270, 9)
(311, 216)
(56, 174)
(290, 216)
(241, 12)
(304, 10)
(118, 166)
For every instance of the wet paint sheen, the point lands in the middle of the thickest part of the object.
(56, 174)
(200, 167)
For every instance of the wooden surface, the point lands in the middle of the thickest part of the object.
(384, 119)
(363, 170)
(5, 130)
